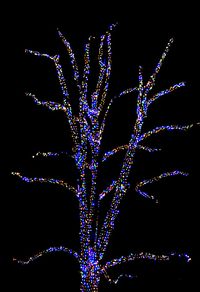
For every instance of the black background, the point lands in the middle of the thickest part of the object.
(36, 216)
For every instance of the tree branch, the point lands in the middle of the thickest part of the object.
(155, 179)
(166, 91)
(72, 59)
(145, 256)
(112, 281)
(52, 154)
(38, 54)
(114, 151)
(86, 72)
(108, 154)
(164, 128)
(108, 68)
(102, 72)
(51, 105)
(45, 180)
(108, 189)
(47, 251)
(127, 91)
(152, 78)
(121, 188)
(148, 149)
(109, 106)
(66, 102)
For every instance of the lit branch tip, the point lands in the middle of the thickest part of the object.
(149, 149)
(155, 179)
(112, 26)
(47, 251)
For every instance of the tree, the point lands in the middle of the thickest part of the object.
(87, 125)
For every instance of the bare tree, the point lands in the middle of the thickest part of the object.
(87, 129)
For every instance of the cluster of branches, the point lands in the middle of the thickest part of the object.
(87, 130)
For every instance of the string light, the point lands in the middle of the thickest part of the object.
(45, 180)
(155, 179)
(47, 251)
(87, 132)
(146, 256)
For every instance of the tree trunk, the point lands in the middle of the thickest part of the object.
(90, 284)
(90, 274)
(89, 288)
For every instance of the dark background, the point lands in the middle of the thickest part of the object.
(37, 216)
